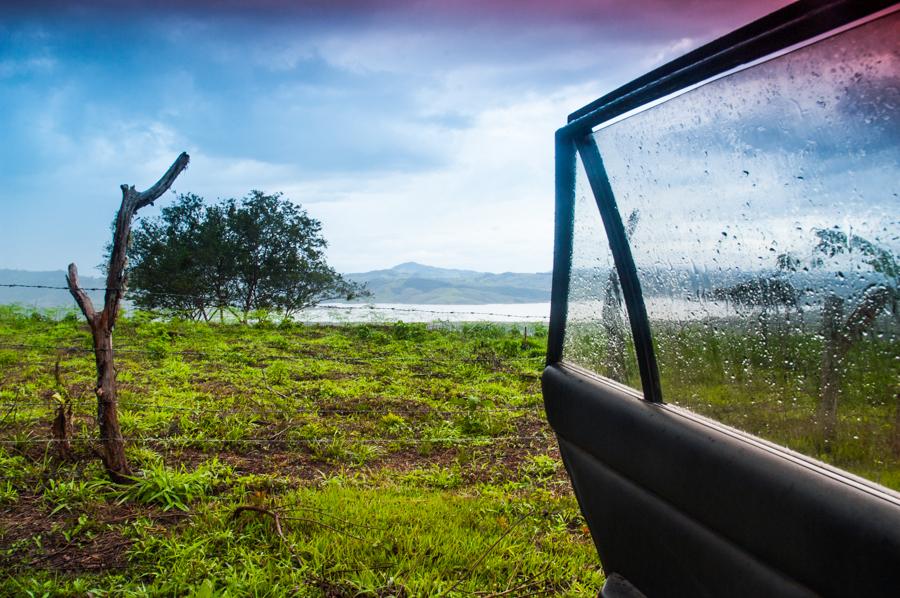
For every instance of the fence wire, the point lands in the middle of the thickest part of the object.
(342, 307)
(126, 350)
(299, 441)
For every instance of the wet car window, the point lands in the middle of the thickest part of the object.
(598, 333)
(763, 209)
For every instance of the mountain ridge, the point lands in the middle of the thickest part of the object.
(407, 282)
(56, 297)
(411, 282)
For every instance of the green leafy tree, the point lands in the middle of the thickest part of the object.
(262, 252)
(848, 319)
(280, 260)
(180, 261)
(842, 330)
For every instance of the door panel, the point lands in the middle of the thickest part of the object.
(784, 517)
(637, 526)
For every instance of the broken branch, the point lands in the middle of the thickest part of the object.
(153, 193)
(81, 298)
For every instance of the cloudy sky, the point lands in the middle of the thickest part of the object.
(728, 176)
(415, 130)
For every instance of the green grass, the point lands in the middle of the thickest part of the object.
(400, 459)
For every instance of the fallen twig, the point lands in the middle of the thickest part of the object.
(533, 580)
(273, 514)
(515, 591)
(285, 429)
(335, 517)
(269, 386)
(278, 518)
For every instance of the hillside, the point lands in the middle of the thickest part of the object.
(416, 283)
(43, 297)
(413, 283)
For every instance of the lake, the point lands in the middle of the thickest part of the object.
(659, 308)
(406, 312)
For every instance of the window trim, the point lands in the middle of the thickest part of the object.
(794, 24)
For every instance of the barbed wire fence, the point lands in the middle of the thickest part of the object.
(347, 307)
(279, 438)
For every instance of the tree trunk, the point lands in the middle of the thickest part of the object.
(832, 362)
(107, 408)
(102, 322)
(895, 440)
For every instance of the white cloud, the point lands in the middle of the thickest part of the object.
(443, 134)
(491, 208)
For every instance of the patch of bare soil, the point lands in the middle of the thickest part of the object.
(32, 539)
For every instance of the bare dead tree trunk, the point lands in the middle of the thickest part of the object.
(102, 322)
(840, 335)
(832, 359)
(895, 438)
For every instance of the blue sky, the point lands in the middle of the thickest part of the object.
(414, 130)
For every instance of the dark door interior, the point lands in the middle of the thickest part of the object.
(724, 364)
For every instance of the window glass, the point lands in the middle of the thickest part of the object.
(768, 245)
(598, 333)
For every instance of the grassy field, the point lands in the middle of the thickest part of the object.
(380, 460)
(372, 460)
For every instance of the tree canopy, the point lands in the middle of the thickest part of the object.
(262, 252)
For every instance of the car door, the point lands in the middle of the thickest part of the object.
(723, 371)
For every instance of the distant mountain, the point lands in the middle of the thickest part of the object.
(417, 283)
(47, 297)
(405, 283)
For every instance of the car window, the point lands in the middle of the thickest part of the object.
(598, 333)
(764, 212)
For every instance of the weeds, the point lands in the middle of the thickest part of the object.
(8, 494)
(75, 494)
(371, 442)
(175, 488)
